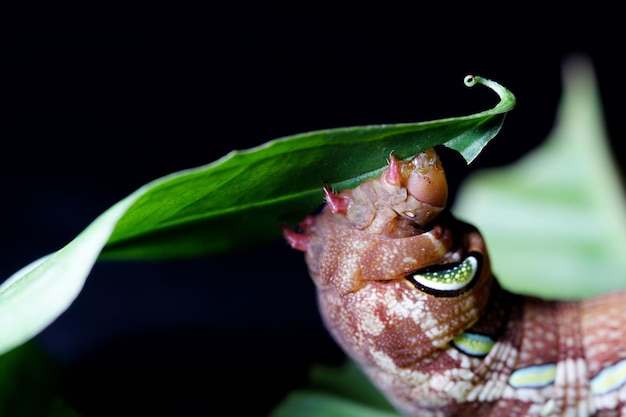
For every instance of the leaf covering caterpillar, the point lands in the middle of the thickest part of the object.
(407, 291)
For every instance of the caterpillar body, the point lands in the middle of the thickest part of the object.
(407, 291)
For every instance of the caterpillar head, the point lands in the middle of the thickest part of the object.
(397, 276)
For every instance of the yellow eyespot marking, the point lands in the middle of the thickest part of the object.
(609, 379)
(536, 376)
(473, 344)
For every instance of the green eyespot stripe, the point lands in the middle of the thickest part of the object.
(609, 379)
(535, 376)
(448, 280)
(473, 344)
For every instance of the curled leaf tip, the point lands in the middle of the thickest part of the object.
(507, 99)
(470, 147)
(469, 80)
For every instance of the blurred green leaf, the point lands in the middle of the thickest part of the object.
(316, 404)
(336, 391)
(555, 221)
(29, 384)
(349, 382)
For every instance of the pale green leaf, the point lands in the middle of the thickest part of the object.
(38, 293)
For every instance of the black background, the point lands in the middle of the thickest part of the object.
(95, 105)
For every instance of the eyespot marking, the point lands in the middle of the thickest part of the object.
(473, 344)
(609, 379)
(448, 280)
(536, 376)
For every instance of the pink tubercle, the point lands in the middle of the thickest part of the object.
(299, 241)
(392, 174)
(336, 204)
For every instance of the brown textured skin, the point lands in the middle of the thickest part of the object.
(402, 337)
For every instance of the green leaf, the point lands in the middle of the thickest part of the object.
(242, 199)
(36, 295)
(349, 382)
(316, 404)
(554, 221)
(336, 391)
(237, 201)
(29, 384)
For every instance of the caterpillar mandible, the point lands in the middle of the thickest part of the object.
(407, 291)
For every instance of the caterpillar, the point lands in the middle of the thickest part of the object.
(406, 290)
